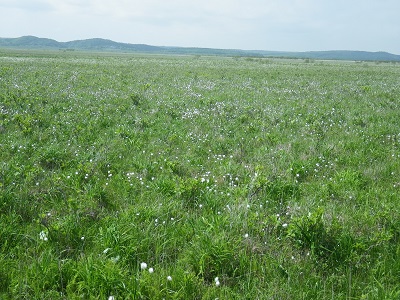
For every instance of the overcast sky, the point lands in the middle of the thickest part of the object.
(283, 25)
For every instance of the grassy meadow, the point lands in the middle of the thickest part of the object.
(188, 177)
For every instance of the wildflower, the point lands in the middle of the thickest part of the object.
(169, 278)
(217, 283)
(151, 270)
(143, 266)
(106, 250)
(82, 238)
(115, 259)
(245, 236)
(284, 225)
(111, 298)
(43, 236)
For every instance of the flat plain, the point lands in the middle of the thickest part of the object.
(187, 177)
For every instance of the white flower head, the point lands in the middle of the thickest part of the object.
(43, 236)
(115, 259)
(143, 266)
(151, 270)
(217, 283)
(169, 278)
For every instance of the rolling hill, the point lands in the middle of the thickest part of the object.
(98, 44)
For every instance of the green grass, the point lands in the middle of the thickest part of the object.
(279, 177)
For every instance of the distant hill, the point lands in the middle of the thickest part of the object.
(97, 44)
(104, 45)
(29, 42)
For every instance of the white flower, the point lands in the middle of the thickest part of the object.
(169, 278)
(151, 270)
(245, 236)
(43, 236)
(115, 259)
(143, 266)
(284, 225)
(106, 250)
(111, 298)
(217, 283)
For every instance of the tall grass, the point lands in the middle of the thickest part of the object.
(230, 178)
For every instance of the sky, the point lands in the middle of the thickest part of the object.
(279, 25)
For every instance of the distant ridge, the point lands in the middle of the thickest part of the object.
(98, 44)
(33, 42)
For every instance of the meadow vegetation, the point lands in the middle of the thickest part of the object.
(180, 177)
